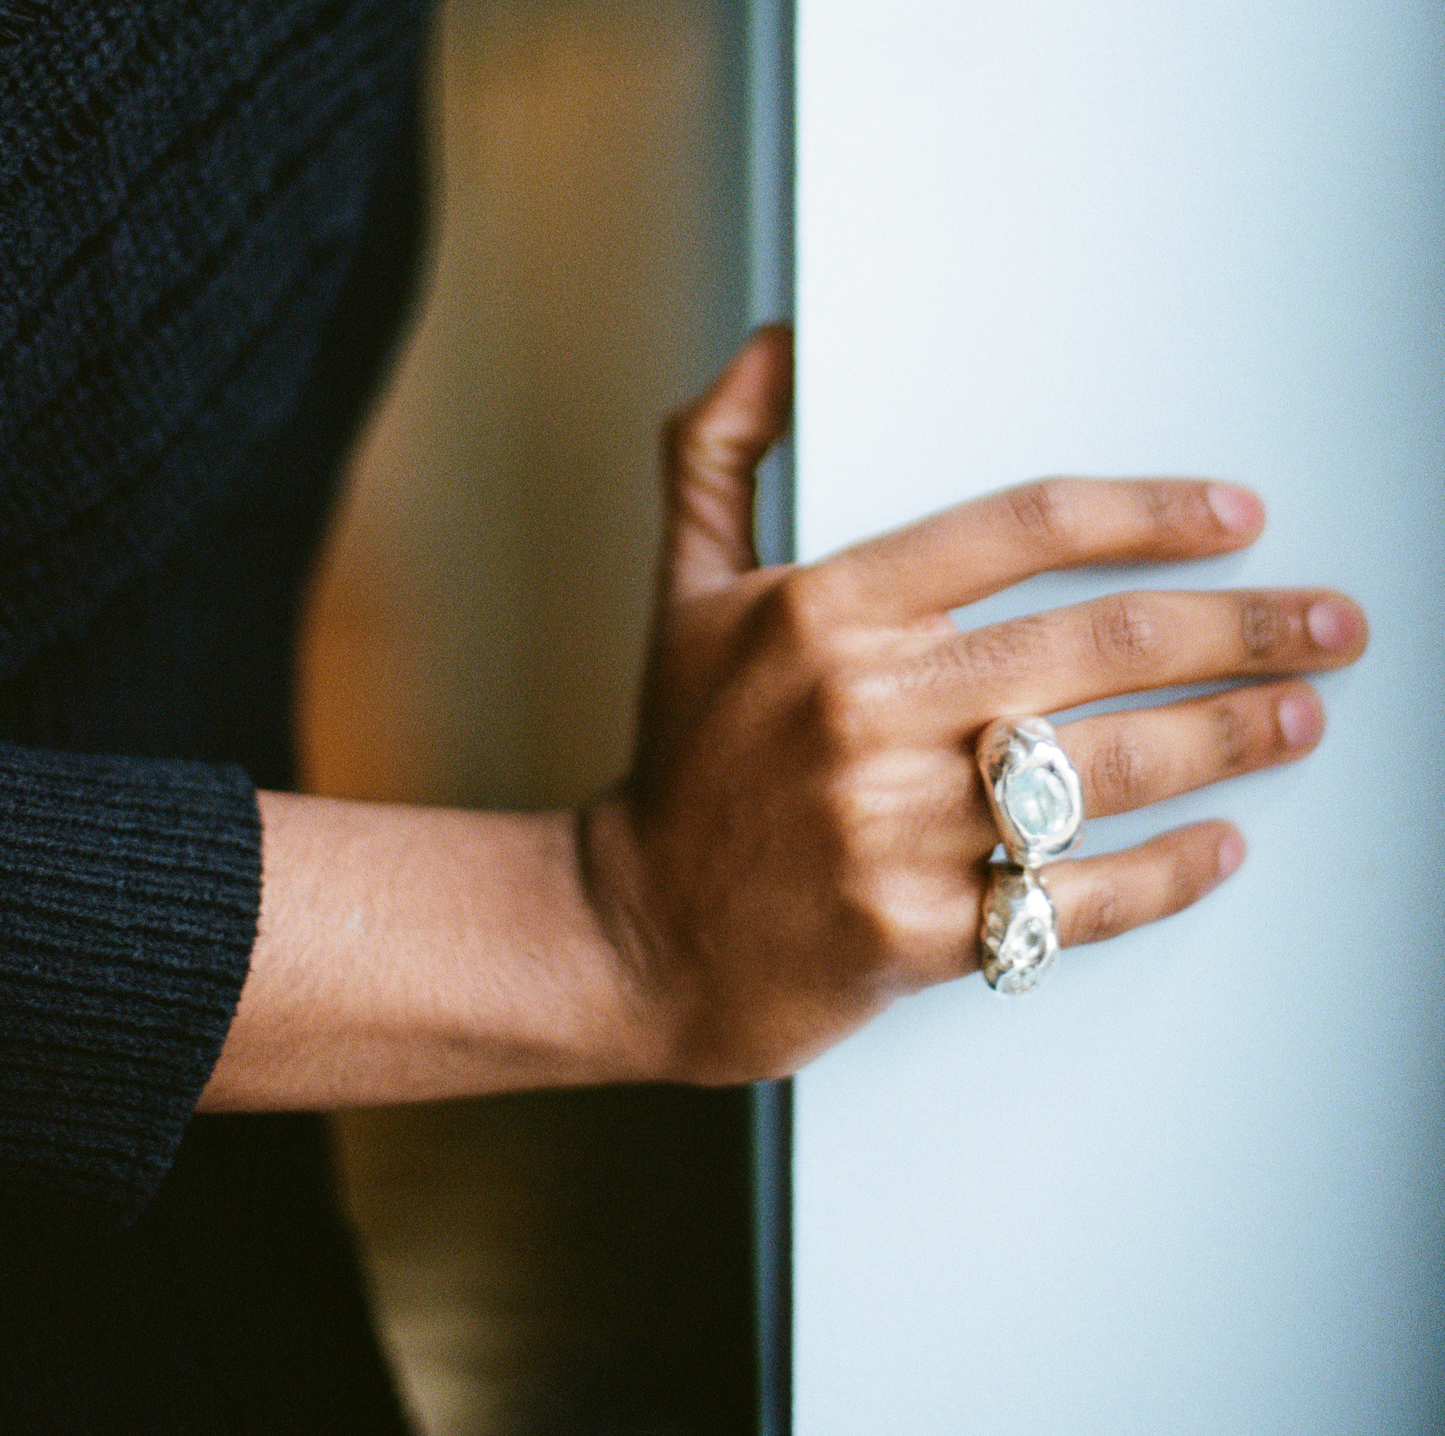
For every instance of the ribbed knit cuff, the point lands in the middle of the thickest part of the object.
(129, 891)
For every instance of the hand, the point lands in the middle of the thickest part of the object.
(804, 837)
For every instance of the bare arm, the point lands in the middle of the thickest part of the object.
(803, 836)
(407, 953)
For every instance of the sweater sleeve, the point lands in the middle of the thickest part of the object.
(129, 893)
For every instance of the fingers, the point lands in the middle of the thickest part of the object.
(1128, 760)
(1099, 898)
(1094, 898)
(966, 553)
(710, 453)
(1133, 642)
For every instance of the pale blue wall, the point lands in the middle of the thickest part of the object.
(1120, 237)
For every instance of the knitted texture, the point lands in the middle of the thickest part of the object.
(189, 195)
(181, 187)
(128, 905)
(208, 222)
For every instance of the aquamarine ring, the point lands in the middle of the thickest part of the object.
(1033, 789)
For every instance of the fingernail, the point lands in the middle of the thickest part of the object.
(1301, 720)
(1237, 509)
(1231, 854)
(1332, 624)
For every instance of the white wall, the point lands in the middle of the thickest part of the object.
(1040, 237)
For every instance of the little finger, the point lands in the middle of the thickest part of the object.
(1099, 898)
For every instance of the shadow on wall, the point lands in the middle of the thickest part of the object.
(559, 1261)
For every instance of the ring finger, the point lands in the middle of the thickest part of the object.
(1129, 760)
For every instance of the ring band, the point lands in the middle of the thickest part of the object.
(1033, 789)
(1020, 931)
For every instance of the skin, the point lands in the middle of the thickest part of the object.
(803, 836)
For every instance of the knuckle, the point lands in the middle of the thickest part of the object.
(1124, 630)
(939, 669)
(1119, 772)
(693, 443)
(1183, 884)
(900, 943)
(1264, 629)
(850, 813)
(844, 703)
(1178, 511)
(1047, 513)
(1232, 738)
(1002, 649)
(799, 606)
(1168, 507)
(1098, 914)
(881, 918)
(865, 902)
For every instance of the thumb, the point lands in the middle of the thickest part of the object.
(710, 456)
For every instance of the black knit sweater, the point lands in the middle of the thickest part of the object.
(208, 216)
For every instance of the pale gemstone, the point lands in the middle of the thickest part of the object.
(1037, 801)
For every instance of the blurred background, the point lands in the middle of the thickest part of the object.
(548, 1262)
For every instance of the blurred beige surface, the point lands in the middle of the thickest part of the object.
(477, 626)
(480, 621)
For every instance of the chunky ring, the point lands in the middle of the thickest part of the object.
(1033, 789)
(1020, 931)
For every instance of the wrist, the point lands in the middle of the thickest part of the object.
(415, 954)
(617, 892)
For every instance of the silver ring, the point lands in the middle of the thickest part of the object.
(1020, 931)
(1033, 789)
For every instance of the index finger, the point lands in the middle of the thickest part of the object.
(966, 553)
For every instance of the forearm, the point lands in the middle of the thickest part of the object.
(409, 954)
